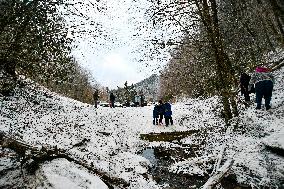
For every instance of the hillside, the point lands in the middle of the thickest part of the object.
(109, 141)
(149, 86)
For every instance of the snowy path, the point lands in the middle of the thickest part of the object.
(44, 118)
(39, 117)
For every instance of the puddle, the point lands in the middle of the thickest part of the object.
(230, 182)
(149, 154)
(161, 159)
(167, 136)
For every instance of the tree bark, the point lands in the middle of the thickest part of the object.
(7, 77)
(279, 14)
(9, 67)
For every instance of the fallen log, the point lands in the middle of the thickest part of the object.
(167, 136)
(276, 150)
(219, 174)
(219, 159)
(32, 157)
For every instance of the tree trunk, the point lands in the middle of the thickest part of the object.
(278, 11)
(9, 67)
(209, 18)
(7, 77)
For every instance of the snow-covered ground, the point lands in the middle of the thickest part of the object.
(110, 139)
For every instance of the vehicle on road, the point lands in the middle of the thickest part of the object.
(118, 104)
(104, 104)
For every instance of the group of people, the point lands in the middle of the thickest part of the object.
(160, 111)
(261, 83)
(96, 98)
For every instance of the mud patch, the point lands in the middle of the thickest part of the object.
(167, 136)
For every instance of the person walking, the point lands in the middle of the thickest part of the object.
(141, 100)
(161, 111)
(244, 83)
(155, 115)
(168, 113)
(263, 81)
(96, 97)
(111, 99)
(137, 100)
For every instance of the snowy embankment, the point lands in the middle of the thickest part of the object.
(39, 117)
(109, 139)
(248, 142)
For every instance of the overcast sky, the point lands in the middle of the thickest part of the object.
(112, 60)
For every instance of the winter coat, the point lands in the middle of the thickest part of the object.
(112, 97)
(156, 111)
(244, 83)
(96, 95)
(244, 80)
(167, 109)
(261, 74)
(161, 109)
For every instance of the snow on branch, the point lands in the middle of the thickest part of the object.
(220, 173)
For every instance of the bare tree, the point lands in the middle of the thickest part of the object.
(219, 40)
(36, 36)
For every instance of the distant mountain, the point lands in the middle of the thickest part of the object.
(149, 87)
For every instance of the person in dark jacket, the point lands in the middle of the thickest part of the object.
(155, 115)
(141, 100)
(168, 113)
(161, 111)
(244, 83)
(96, 97)
(111, 99)
(263, 81)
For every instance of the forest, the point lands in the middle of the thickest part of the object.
(216, 42)
(200, 49)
